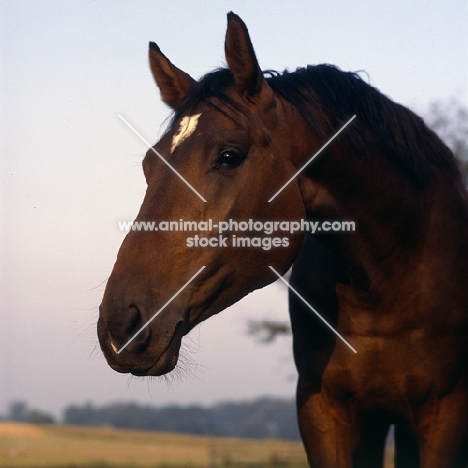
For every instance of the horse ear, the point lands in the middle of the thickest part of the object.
(173, 83)
(241, 58)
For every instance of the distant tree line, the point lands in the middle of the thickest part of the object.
(19, 411)
(259, 419)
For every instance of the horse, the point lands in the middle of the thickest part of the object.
(394, 289)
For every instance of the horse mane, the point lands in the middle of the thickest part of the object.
(325, 91)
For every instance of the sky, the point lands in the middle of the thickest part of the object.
(70, 170)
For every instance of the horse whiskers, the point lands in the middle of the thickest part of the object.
(186, 367)
(96, 351)
(99, 285)
(86, 332)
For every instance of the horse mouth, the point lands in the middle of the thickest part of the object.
(167, 360)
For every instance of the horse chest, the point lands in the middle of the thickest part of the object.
(376, 375)
(392, 372)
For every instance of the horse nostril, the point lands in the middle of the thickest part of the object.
(127, 330)
(134, 319)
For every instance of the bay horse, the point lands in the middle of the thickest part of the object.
(396, 289)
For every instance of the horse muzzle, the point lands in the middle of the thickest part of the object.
(131, 344)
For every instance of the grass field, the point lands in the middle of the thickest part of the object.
(26, 445)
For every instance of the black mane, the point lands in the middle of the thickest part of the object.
(327, 92)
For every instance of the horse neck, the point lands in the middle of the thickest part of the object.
(398, 225)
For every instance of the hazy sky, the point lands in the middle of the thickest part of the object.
(70, 169)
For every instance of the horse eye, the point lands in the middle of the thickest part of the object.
(228, 159)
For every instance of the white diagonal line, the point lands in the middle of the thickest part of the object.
(312, 158)
(312, 309)
(161, 309)
(160, 157)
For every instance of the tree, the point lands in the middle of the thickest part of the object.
(39, 417)
(19, 411)
(449, 119)
(267, 330)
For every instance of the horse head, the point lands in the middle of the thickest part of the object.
(235, 143)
